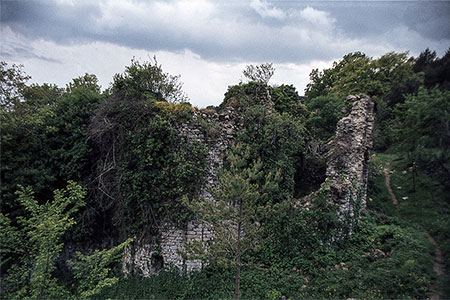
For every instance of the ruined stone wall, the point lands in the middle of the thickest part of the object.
(348, 158)
(347, 175)
(146, 258)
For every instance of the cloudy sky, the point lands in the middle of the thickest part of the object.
(209, 42)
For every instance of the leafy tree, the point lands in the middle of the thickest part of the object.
(44, 137)
(42, 231)
(286, 99)
(423, 129)
(31, 275)
(260, 74)
(436, 70)
(424, 60)
(12, 83)
(350, 75)
(278, 140)
(25, 146)
(356, 73)
(235, 215)
(276, 136)
(323, 114)
(386, 79)
(143, 167)
(71, 151)
(93, 272)
(148, 81)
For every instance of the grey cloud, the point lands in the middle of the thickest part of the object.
(235, 31)
(60, 22)
(12, 49)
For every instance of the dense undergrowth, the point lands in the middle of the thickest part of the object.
(384, 258)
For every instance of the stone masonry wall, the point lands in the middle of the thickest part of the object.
(145, 258)
(348, 158)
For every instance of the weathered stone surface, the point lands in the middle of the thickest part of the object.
(348, 159)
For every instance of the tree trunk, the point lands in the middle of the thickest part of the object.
(238, 254)
(238, 278)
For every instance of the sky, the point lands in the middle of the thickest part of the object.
(209, 42)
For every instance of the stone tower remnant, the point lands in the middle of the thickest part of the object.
(348, 158)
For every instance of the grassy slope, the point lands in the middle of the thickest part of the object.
(427, 207)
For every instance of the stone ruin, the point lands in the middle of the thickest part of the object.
(348, 158)
(347, 175)
(146, 258)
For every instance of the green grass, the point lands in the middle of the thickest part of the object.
(427, 207)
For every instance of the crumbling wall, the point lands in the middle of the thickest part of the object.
(348, 158)
(347, 175)
(144, 258)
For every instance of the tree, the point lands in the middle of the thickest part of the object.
(235, 215)
(323, 114)
(43, 230)
(148, 81)
(71, 151)
(39, 246)
(44, 137)
(423, 129)
(386, 79)
(12, 82)
(286, 99)
(260, 74)
(25, 146)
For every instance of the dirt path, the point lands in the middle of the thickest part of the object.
(387, 181)
(438, 266)
(438, 263)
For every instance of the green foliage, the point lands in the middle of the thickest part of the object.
(298, 266)
(93, 271)
(276, 137)
(356, 73)
(235, 215)
(323, 114)
(260, 74)
(423, 130)
(44, 138)
(158, 169)
(238, 205)
(436, 70)
(71, 151)
(144, 167)
(26, 152)
(427, 207)
(148, 81)
(287, 100)
(278, 140)
(37, 243)
(12, 83)
(386, 79)
(244, 95)
(42, 233)
(125, 144)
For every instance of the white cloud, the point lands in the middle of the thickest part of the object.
(317, 18)
(263, 9)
